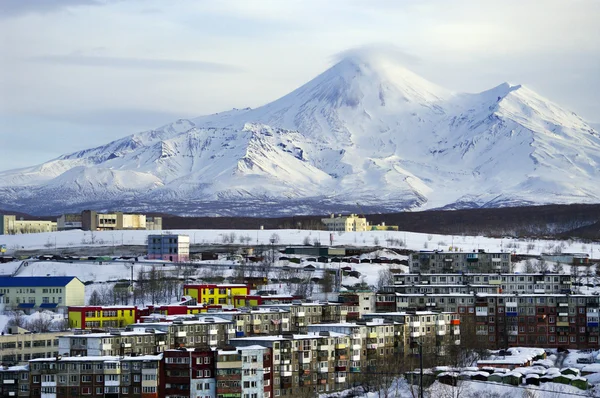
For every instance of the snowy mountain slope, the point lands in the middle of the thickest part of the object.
(367, 130)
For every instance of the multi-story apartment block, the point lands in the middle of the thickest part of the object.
(348, 223)
(364, 301)
(169, 248)
(303, 314)
(118, 342)
(483, 283)
(454, 262)
(203, 331)
(51, 293)
(240, 372)
(100, 317)
(259, 321)
(190, 373)
(212, 294)
(19, 345)
(303, 363)
(97, 376)
(14, 381)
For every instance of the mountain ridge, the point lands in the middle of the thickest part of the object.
(366, 130)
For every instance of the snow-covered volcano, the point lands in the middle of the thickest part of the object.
(367, 131)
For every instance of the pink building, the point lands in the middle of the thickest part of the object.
(175, 248)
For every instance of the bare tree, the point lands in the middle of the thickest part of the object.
(17, 318)
(95, 298)
(40, 324)
(529, 267)
(385, 277)
(557, 268)
(542, 266)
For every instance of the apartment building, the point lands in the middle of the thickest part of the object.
(117, 342)
(101, 317)
(303, 363)
(203, 331)
(363, 301)
(9, 225)
(347, 223)
(190, 373)
(39, 293)
(19, 345)
(98, 376)
(504, 283)
(174, 248)
(454, 262)
(303, 314)
(240, 372)
(512, 319)
(14, 381)
(215, 294)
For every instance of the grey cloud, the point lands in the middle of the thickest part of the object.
(135, 63)
(11, 8)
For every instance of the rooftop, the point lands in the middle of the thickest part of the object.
(36, 281)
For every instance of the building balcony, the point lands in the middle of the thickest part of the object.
(562, 324)
(354, 369)
(440, 332)
(286, 373)
(323, 370)
(341, 379)
(355, 358)
(341, 346)
(180, 334)
(372, 335)
(300, 314)
(372, 346)
(415, 334)
(256, 322)
(213, 332)
(356, 346)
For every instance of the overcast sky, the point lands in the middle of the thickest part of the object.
(79, 73)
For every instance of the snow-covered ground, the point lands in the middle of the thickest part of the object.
(55, 241)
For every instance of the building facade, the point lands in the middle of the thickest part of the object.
(33, 293)
(174, 248)
(97, 376)
(93, 221)
(117, 342)
(9, 225)
(456, 261)
(19, 345)
(347, 223)
(100, 317)
(215, 294)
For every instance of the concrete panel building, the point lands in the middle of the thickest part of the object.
(99, 317)
(19, 345)
(174, 248)
(94, 221)
(68, 221)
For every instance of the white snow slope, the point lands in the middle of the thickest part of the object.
(367, 130)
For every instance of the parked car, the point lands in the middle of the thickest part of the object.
(585, 360)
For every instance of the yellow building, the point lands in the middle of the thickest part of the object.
(9, 225)
(348, 223)
(215, 294)
(97, 317)
(33, 293)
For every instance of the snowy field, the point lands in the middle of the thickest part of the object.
(55, 241)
